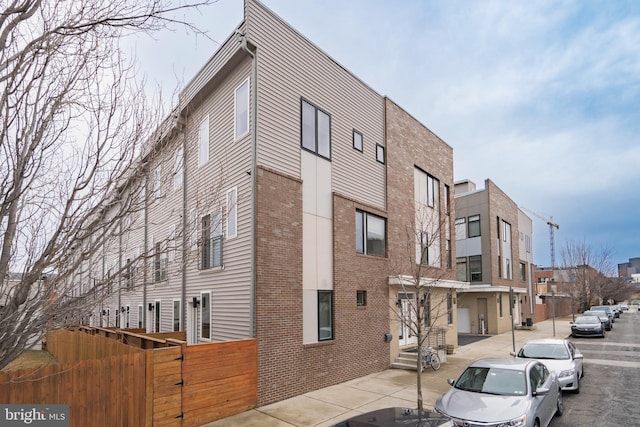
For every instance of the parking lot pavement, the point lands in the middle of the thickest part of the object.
(391, 387)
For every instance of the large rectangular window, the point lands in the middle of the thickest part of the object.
(176, 315)
(232, 213)
(325, 315)
(316, 130)
(371, 234)
(474, 226)
(475, 268)
(242, 110)
(461, 228)
(203, 142)
(211, 254)
(205, 315)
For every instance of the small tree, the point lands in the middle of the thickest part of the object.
(418, 270)
(72, 122)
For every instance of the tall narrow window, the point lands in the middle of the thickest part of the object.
(431, 191)
(523, 272)
(446, 199)
(316, 130)
(160, 257)
(450, 307)
(500, 313)
(447, 254)
(371, 232)
(203, 142)
(361, 298)
(242, 110)
(176, 315)
(232, 213)
(211, 241)
(423, 248)
(177, 169)
(156, 317)
(325, 315)
(140, 317)
(205, 315)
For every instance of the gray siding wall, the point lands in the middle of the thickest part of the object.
(291, 67)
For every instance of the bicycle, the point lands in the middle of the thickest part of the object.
(430, 358)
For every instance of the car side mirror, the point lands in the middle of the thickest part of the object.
(451, 381)
(578, 356)
(541, 391)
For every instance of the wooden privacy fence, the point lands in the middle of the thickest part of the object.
(120, 378)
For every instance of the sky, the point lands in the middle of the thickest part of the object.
(542, 98)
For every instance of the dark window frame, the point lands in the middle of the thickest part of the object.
(473, 223)
(361, 298)
(363, 240)
(316, 127)
(321, 324)
(355, 147)
(476, 261)
(380, 154)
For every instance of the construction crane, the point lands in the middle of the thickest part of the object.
(552, 225)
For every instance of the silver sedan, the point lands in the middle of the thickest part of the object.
(503, 392)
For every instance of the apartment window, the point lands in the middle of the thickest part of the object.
(500, 305)
(523, 272)
(157, 176)
(211, 241)
(461, 269)
(242, 110)
(160, 264)
(232, 213)
(316, 130)
(361, 298)
(432, 185)
(475, 268)
(357, 140)
(474, 226)
(447, 254)
(370, 234)
(140, 317)
(177, 169)
(380, 153)
(156, 317)
(527, 243)
(205, 315)
(325, 315)
(176, 315)
(461, 228)
(450, 308)
(203, 142)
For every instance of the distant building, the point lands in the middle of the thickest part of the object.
(630, 271)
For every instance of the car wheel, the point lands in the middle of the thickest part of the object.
(559, 404)
(536, 424)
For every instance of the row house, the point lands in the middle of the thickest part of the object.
(276, 203)
(494, 253)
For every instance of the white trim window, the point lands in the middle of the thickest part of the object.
(232, 213)
(177, 169)
(241, 109)
(205, 315)
(203, 142)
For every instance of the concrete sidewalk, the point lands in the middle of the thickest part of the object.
(392, 387)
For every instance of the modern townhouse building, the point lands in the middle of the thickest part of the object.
(277, 203)
(494, 253)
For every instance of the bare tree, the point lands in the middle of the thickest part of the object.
(418, 270)
(587, 270)
(73, 118)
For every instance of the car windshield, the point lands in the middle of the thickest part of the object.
(587, 319)
(544, 351)
(503, 382)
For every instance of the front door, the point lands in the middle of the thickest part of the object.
(407, 316)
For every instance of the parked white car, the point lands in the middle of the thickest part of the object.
(560, 356)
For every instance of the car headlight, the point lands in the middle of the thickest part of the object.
(567, 373)
(516, 422)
